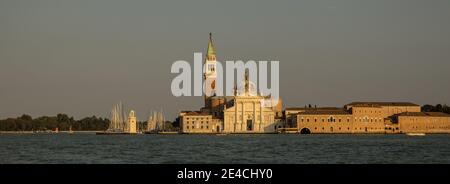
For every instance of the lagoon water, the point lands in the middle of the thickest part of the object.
(152, 149)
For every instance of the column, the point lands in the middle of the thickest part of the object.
(261, 123)
(235, 115)
(243, 114)
(254, 117)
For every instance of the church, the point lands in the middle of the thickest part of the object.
(246, 111)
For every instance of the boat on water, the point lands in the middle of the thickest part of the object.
(168, 132)
(222, 134)
(115, 133)
(415, 134)
(156, 124)
(118, 124)
(70, 130)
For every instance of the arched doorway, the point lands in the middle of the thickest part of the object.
(305, 131)
(217, 129)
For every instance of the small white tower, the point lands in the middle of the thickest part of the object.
(132, 122)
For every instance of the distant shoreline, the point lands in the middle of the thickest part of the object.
(44, 132)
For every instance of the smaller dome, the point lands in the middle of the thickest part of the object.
(132, 114)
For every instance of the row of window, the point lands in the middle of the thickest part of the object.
(366, 119)
(193, 122)
(424, 120)
(332, 119)
(348, 128)
(432, 127)
(365, 111)
(390, 128)
(197, 118)
(193, 127)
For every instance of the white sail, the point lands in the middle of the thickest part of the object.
(155, 122)
(118, 121)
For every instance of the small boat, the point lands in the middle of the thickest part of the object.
(114, 133)
(415, 134)
(221, 134)
(168, 132)
(70, 130)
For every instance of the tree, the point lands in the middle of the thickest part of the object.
(438, 108)
(176, 123)
(446, 109)
(427, 108)
(26, 117)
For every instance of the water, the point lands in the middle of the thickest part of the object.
(91, 148)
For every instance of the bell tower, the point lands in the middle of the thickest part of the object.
(210, 73)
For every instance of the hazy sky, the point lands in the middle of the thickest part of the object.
(80, 57)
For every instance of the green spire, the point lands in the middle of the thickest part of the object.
(210, 51)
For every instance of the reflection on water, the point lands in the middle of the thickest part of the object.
(90, 148)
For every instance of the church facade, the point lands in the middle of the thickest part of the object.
(244, 112)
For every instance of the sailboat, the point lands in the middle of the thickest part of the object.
(415, 134)
(118, 123)
(155, 123)
(70, 130)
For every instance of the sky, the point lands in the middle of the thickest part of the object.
(82, 57)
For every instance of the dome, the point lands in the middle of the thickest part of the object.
(253, 91)
(132, 114)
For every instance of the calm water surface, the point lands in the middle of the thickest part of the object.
(91, 148)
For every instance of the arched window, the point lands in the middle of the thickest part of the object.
(331, 119)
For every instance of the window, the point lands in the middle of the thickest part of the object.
(187, 127)
(207, 127)
(192, 127)
(331, 119)
(201, 127)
